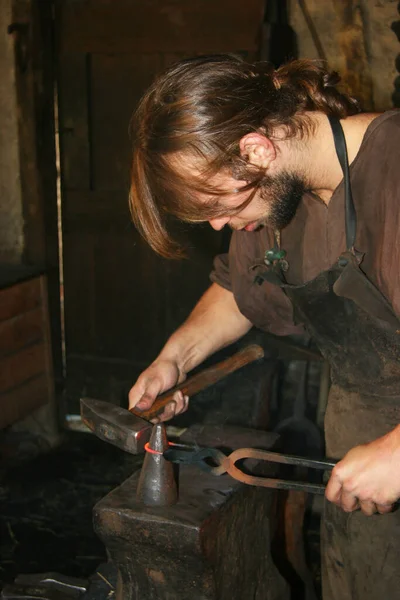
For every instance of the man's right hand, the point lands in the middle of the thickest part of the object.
(159, 377)
(215, 322)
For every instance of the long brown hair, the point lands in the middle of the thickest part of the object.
(202, 107)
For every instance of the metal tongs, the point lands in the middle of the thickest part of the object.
(201, 457)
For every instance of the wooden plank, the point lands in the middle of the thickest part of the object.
(158, 25)
(96, 205)
(47, 169)
(79, 290)
(21, 331)
(110, 283)
(74, 120)
(48, 353)
(21, 401)
(19, 298)
(18, 368)
(107, 379)
(204, 244)
(119, 80)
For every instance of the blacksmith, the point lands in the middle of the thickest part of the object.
(311, 188)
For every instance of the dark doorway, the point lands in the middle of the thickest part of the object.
(121, 300)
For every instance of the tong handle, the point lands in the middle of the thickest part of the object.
(228, 465)
(284, 459)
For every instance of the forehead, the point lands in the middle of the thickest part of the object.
(210, 186)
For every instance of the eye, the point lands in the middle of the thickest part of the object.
(169, 98)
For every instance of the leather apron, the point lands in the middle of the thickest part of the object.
(357, 332)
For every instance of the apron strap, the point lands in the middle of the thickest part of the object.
(350, 211)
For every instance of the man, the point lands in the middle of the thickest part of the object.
(310, 187)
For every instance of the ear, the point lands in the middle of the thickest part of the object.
(258, 149)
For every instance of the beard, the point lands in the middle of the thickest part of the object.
(281, 195)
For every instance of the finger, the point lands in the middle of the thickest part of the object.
(135, 394)
(333, 490)
(179, 400)
(349, 502)
(368, 507)
(176, 407)
(168, 412)
(150, 393)
(384, 509)
(186, 403)
(145, 402)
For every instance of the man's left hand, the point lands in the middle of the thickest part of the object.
(368, 477)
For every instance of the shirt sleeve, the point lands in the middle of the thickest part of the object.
(220, 273)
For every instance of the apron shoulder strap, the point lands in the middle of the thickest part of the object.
(341, 151)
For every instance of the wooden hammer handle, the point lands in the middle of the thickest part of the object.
(202, 380)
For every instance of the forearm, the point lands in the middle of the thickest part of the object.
(214, 323)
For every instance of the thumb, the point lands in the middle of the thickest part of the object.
(150, 393)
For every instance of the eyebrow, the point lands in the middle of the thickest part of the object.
(218, 210)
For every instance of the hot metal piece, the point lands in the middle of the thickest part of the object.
(157, 485)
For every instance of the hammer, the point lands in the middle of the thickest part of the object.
(131, 430)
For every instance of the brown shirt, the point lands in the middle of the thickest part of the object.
(316, 236)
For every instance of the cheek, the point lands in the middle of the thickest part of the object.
(256, 209)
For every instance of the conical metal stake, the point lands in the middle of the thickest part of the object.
(157, 485)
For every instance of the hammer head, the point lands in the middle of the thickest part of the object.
(116, 425)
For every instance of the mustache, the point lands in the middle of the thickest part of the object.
(260, 224)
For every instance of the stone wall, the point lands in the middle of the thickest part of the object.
(356, 38)
(11, 212)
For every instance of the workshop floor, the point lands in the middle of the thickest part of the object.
(46, 508)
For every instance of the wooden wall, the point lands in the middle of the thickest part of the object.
(26, 378)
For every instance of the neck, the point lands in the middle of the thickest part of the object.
(317, 154)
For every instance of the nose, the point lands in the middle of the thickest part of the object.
(219, 223)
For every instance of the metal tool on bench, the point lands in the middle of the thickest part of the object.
(33, 592)
(45, 586)
(131, 430)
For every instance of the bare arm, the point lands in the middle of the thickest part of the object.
(214, 323)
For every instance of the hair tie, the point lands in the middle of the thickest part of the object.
(275, 80)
